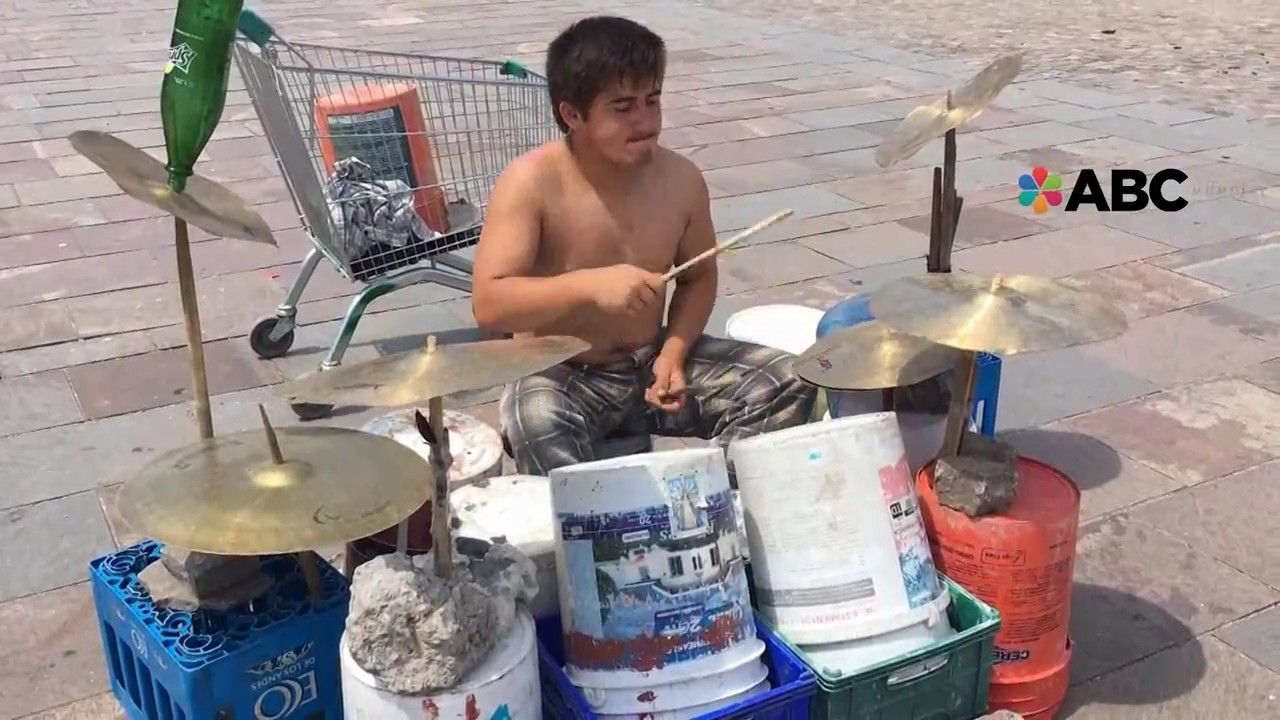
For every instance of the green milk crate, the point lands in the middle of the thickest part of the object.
(944, 681)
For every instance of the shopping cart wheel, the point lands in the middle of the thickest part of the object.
(262, 343)
(311, 411)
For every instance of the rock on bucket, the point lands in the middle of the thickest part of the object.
(838, 547)
(653, 588)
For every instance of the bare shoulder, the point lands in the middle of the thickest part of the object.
(680, 171)
(530, 175)
(684, 180)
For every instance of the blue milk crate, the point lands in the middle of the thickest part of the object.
(274, 658)
(986, 393)
(794, 685)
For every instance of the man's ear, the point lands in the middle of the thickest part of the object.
(570, 114)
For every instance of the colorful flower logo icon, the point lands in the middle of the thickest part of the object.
(1040, 189)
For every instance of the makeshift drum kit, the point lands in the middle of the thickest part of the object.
(295, 489)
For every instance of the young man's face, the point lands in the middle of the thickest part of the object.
(623, 123)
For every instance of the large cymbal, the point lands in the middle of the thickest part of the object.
(934, 120)
(227, 496)
(1004, 315)
(871, 356)
(408, 378)
(204, 203)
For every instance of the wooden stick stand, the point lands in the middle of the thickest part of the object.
(441, 460)
(191, 318)
(945, 218)
(946, 206)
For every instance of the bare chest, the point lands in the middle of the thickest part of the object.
(585, 231)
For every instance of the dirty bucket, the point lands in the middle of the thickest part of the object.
(505, 685)
(853, 656)
(653, 591)
(517, 510)
(790, 328)
(696, 711)
(830, 564)
(1019, 561)
(477, 453)
(1036, 697)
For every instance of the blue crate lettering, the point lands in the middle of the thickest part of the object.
(273, 659)
(793, 684)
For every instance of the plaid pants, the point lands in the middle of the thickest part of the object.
(736, 389)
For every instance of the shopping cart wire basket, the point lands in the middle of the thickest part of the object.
(389, 158)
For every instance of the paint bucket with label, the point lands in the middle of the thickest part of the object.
(838, 548)
(515, 509)
(790, 328)
(655, 607)
(477, 454)
(503, 686)
(1020, 561)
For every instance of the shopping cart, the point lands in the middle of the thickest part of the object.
(389, 159)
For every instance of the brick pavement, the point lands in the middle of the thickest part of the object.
(1172, 431)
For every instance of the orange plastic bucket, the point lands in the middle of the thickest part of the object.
(1019, 561)
(1034, 698)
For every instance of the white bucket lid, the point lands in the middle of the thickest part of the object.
(790, 328)
(516, 507)
(475, 446)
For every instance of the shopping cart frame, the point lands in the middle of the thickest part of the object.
(258, 58)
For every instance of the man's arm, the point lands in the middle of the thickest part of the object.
(505, 296)
(695, 292)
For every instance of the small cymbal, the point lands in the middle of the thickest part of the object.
(226, 495)
(1003, 315)
(204, 203)
(872, 356)
(934, 120)
(408, 378)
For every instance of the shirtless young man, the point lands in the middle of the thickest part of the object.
(576, 237)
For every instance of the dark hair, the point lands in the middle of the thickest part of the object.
(595, 53)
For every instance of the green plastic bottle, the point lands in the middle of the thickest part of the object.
(195, 80)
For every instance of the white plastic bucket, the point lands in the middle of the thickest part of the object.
(838, 546)
(504, 686)
(476, 447)
(516, 509)
(697, 710)
(653, 588)
(744, 674)
(853, 656)
(790, 328)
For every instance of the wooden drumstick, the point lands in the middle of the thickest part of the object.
(771, 220)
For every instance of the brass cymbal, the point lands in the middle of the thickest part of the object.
(1003, 315)
(934, 120)
(204, 203)
(872, 356)
(227, 496)
(410, 377)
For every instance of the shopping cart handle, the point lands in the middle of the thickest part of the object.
(252, 26)
(514, 68)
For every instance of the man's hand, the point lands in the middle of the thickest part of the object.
(626, 289)
(668, 389)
